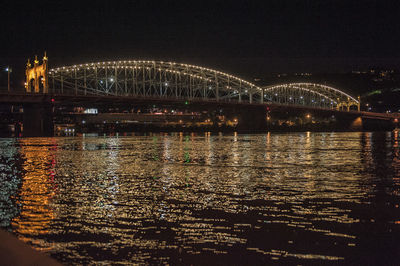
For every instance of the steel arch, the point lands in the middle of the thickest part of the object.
(309, 94)
(160, 79)
(152, 79)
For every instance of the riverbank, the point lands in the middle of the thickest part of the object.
(15, 252)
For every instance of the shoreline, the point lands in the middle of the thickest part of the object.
(16, 252)
(188, 132)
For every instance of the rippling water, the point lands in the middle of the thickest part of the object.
(294, 198)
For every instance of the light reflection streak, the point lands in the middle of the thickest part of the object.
(36, 194)
(177, 196)
(10, 172)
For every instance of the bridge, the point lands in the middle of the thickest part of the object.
(170, 80)
(171, 83)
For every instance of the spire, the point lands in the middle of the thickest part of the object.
(45, 56)
(28, 64)
(36, 60)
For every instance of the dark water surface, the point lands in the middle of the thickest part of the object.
(296, 198)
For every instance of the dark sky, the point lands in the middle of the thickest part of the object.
(246, 38)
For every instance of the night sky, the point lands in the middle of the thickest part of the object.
(246, 38)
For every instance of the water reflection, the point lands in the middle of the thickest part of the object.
(10, 180)
(36, 193)
(192, 199)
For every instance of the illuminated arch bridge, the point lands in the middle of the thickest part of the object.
(312, 95)
(170, 80)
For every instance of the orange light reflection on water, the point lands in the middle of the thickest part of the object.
(36, 193)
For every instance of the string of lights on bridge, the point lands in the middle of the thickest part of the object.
(151, 79)
(117, 65)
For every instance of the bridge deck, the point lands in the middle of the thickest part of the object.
(26, 98)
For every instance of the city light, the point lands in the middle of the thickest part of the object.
(163, 172)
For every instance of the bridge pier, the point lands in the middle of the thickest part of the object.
(369, 124)
(356, 124)
(38, 120)
(252, 118)
(359, 123)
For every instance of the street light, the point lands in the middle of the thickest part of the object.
(9, 70)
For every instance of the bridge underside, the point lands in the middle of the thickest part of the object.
(130, 113)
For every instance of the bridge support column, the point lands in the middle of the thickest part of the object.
(356, 124)
(252, 118)
(251, 97)
(370, 124)
(38, 120)
(217, 93)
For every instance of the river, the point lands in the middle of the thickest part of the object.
(289, 198)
